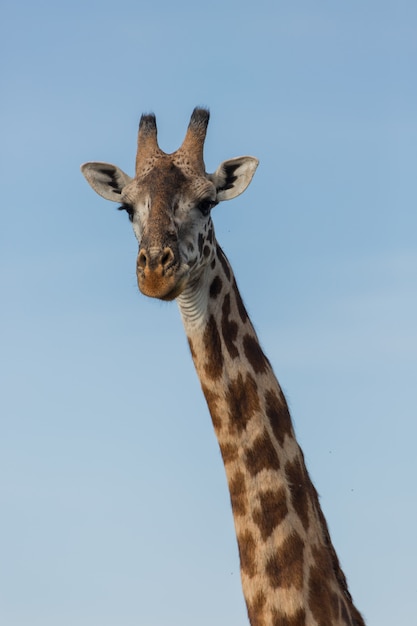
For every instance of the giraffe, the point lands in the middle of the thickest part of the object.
(290, 571)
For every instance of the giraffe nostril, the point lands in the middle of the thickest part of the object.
(167, 257)
(142, 259)
(151, 260)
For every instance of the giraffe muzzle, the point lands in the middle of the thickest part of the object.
(160, 273)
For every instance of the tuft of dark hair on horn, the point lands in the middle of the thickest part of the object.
(147, 123)
(200, 118)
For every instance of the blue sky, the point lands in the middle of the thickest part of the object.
(114, 506)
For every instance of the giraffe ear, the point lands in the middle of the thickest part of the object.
(232, 177)
(106, 179)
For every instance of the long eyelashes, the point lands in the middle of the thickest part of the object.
(128, 208)
(205, 206)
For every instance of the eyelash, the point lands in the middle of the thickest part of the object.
(205, 206)
(129, 210)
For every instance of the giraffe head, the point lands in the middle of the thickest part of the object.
(169, 203)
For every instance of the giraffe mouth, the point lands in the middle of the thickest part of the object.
(167, 288)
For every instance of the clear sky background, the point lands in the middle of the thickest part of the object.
(114, 505)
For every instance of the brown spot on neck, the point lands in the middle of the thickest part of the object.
(279, 416)
(272, 511)
(230, 452)
(300, 487)
(247, 553)
(213, 348)
(255, 355)
(229, 329)
(224, 262)
(239, 303)
(322, 602)
(262, 455)
(286, 567)
(238, 496)
(243, 401)
(212, 400)
(215, 287)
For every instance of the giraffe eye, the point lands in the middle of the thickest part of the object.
(128, 208)
(205, 206)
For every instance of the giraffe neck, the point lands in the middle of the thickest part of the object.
(289, 569)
